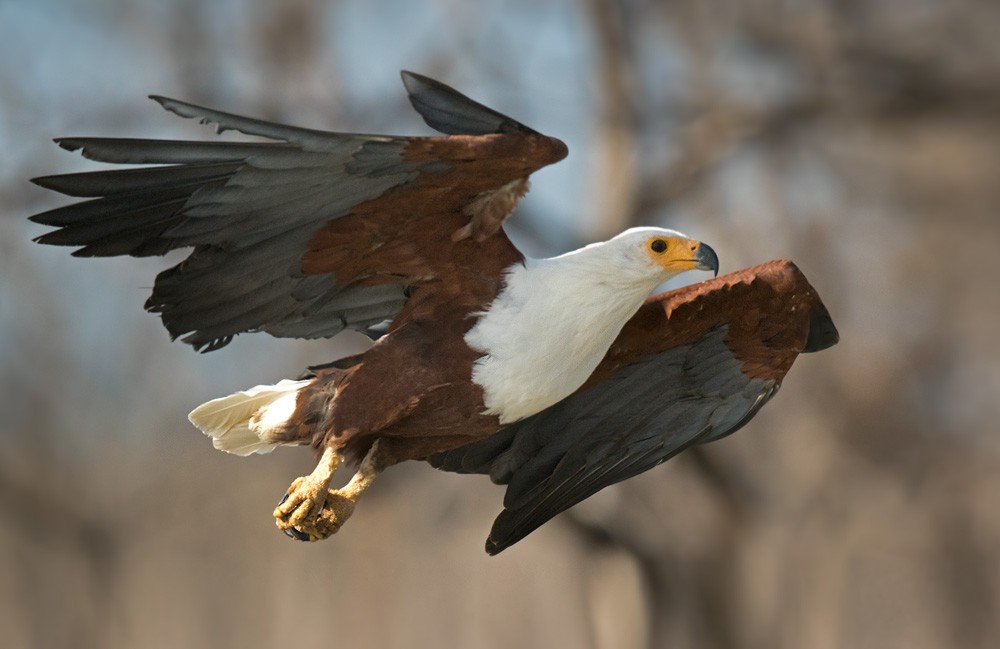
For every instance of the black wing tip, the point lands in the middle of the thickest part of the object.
(414, 82)
(69, 143)
(45, 182)
(53, 239)
(173, 105)
(180, 108)
(88, 251)
(451, 112)
(410, 78)
(495, 546)
(166, 103)
(188, 110)
(508, 529)
(823, 333)
(62, 183)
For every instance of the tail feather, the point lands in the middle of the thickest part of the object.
(250, 421)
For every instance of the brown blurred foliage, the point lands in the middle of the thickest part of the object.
(858, 510)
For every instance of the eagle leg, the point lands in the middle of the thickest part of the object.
(340, 503)
(305, 497)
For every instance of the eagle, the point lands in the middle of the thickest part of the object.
(554, 376)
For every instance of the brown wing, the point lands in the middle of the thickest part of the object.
(313, 232)
(692, 366)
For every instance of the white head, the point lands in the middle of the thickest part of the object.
(647, 255)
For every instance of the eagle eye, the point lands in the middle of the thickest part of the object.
(658, 245)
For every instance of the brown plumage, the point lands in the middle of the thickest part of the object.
(769, 311)
(478, 350)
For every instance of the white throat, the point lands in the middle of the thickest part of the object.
(549, 328)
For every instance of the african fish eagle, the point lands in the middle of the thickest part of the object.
(557, 376)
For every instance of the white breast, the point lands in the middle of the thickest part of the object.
(546, 332)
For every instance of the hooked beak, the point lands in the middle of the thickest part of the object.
(707, 259)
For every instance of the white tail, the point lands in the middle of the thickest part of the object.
(245, 422)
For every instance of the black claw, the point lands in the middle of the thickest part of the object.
(291, 532)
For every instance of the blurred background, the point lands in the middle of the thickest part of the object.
(859, 509)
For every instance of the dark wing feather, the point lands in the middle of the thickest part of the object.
(252, 211)
(640, 417)
(694, 365)
(448, 111)
(247, 210)
(306, 138)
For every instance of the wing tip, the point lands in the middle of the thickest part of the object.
(41, 181)
(183, 109)
(509, 527)
(451, 112)
(823, 332)
(69, 143)
(494, 545)
(493, 548)
(414, 82)
(411, 79)
(166, 103)
(204, 115)
(175, 106)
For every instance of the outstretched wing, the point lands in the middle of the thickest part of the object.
(692, 366)
(313, 231)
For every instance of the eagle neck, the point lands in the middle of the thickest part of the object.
(548, 329)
